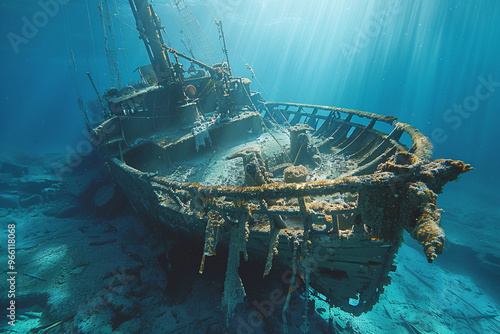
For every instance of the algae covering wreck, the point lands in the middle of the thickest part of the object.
(324, 191)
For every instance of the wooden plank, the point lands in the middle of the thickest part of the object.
(368, 147)
(355, 133)
(312, 120)
(341, 133)
(298, 115)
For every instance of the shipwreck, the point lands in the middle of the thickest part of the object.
(322, 190)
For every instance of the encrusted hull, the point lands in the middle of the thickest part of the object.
(340, 236)
(338, 268)
(323, 191)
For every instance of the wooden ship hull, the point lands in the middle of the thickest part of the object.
(326, 192)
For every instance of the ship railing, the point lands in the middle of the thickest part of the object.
(347, 127)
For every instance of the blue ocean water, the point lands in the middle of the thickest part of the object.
(433, 64)
(412, 59)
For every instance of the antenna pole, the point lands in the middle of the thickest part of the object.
(224, 48)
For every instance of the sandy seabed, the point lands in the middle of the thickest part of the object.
(86, 263)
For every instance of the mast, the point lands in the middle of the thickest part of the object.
(149, 27)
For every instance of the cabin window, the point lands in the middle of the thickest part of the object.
(124, 107)
(133, 106)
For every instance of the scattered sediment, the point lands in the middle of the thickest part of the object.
(87, 263)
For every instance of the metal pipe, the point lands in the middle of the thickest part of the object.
(105, 110)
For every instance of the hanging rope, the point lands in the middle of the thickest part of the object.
(122, 42)
(290, 288)
(182, 6)
(204, 48)
(92, 38)
(73, 68)
(270, 114)
(139, 32)
(109, 44)
(276, 89)
(253, 76)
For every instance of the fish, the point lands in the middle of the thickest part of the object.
(387, 312)
(36, 277)
(409, 326)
